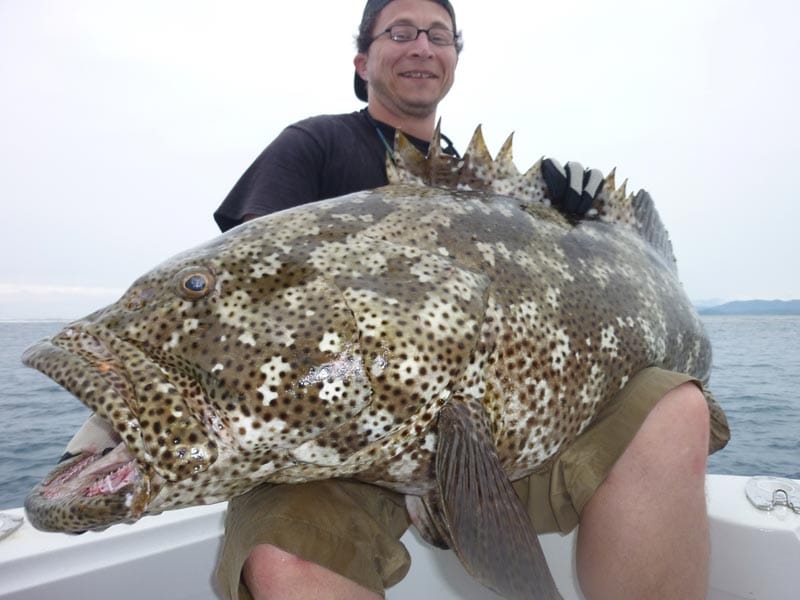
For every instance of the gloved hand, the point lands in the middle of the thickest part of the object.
(571, 190)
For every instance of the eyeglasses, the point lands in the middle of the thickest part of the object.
(439, 36)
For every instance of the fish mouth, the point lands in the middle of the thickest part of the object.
(102, 478)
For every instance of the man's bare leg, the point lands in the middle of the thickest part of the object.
(273, 574)
(644, 533)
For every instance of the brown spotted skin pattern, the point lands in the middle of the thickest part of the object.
(323, 341)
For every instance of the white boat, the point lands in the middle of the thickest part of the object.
(755, 554)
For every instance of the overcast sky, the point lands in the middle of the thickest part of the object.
(123, 124)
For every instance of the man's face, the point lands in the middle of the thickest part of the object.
(409, 79)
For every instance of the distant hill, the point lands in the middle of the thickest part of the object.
(754, 307)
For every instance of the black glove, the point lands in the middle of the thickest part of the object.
(571, 190)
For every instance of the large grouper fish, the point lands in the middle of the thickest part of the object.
(441, 336)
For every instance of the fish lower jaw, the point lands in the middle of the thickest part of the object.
(90, 491)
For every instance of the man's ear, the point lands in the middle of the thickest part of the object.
(360, 63)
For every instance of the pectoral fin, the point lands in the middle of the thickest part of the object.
(489, 529)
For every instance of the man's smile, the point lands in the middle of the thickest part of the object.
(419, 75)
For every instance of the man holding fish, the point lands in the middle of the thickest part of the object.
(634, 482)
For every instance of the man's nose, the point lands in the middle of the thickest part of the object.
(422, 46)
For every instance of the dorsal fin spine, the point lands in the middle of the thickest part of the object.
(478, 171)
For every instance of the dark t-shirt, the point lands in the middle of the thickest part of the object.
(315, 159)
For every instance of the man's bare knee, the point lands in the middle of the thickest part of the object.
(269, 570)
(689, 397)
(682, 414)
(274, 574)
(647, 521)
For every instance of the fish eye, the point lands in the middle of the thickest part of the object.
(196, 284)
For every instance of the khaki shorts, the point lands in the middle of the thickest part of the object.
(354, 528)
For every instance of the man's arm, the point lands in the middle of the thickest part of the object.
(276, 180)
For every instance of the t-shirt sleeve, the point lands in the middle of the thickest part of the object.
(285, 174)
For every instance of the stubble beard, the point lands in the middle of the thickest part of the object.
(396, 103)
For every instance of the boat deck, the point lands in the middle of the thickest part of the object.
(756, 555)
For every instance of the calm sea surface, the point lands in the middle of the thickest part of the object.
(756, 377)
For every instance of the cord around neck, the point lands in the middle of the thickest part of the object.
(419, 143)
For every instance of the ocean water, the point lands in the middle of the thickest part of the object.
(756, 377)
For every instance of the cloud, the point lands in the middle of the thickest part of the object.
(21, 302)
(18, 289)
(142, 137)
